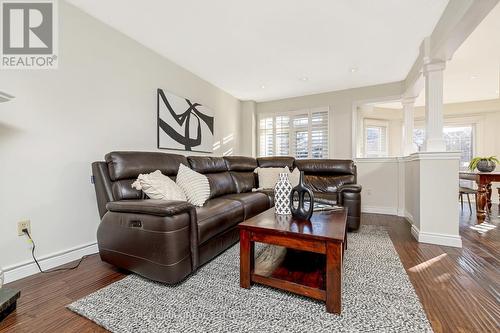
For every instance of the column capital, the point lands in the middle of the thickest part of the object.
(434, 66)
(408, 101)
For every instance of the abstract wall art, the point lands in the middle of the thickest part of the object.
(184, 125)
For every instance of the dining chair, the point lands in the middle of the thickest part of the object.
(467, 191)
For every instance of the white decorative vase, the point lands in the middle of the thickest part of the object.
(282, 191)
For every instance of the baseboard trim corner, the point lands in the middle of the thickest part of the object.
(19, 271)
(435, 238)
(409, 217)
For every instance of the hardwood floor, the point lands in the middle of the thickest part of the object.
(458, 288)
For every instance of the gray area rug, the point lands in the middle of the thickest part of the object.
(377, 297)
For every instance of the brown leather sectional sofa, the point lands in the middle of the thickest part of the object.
(167, 240)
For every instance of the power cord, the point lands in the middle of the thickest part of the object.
(26, 232)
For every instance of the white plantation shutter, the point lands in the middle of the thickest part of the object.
(303, 134)
(282, 135)
(266, 136)
(300, 135)
(319, 134)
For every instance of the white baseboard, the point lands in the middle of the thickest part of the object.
(380, 210)
(28, 268)
(409, 217)
(434, 238)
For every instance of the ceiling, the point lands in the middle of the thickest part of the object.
(264, 50)
(474, 72)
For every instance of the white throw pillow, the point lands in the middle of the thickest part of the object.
(268, 177)
(294, 177)
(158, 186)
(194, 185)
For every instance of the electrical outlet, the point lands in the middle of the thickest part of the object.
(26, 224)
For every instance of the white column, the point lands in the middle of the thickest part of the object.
(408, 114)
(434, 141)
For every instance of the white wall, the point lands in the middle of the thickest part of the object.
(431, 197)
(248, 140)
(412, 191)
(102, 98)
(380, 181)
(341, 105)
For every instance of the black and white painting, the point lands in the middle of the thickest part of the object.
(184, 125)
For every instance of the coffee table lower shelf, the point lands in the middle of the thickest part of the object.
(314, 274)
(293, 287)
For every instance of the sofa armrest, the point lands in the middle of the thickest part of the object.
(351, 188)
(150, 207)
(353, 191)
(349, 196)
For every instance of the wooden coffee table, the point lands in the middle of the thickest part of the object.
(308, 260)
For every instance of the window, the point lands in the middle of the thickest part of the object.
(457, 137)
(460, 138)
(375, 141)
(266, 136)
(303, 134)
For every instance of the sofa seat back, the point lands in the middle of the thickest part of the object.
(327, 175)
(215, 169)
(125, 167)
(276, 162)
(242, 170)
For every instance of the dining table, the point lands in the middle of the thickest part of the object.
(483, 181)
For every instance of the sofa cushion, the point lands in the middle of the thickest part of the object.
(216, 216)
(215, 169)
(241, 169)
(122, 190)
(270, 195)
(325, 183)
(276, 162)
(244, 181)
(129, 164)
(327, 198)
(326, 167)
(240, 163)
(253, 202)
(207, 164)
(220, 183)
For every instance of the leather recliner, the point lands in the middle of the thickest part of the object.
(167, 240)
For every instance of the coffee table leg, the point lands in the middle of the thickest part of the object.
(246, 259)
(333, 277)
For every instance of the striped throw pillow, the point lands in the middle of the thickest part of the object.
(194, 185)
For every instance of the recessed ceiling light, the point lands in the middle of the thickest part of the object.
(473, 77)
(353, 69)
(304, 78)
(262, 87)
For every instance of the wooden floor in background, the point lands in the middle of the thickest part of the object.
(458, 288)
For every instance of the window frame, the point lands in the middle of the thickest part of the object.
(292, 131)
